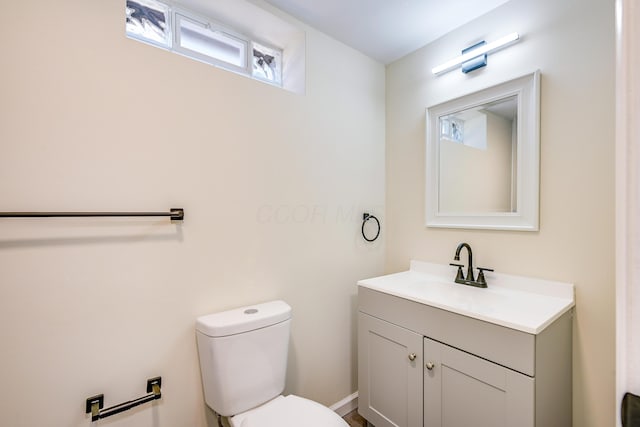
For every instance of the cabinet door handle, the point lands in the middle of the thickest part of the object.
(430, 366)
(412, 357)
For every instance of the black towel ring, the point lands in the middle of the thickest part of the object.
(366, 217)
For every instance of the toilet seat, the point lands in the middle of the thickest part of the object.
(289, 411)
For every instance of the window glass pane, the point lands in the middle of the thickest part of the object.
(267, 63)
(148, 20)
(214, 44)
(452, 129)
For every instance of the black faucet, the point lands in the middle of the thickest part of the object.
(470, 265)
(469, 280)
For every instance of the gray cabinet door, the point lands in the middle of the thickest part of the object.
(389, 373)
(462, 390)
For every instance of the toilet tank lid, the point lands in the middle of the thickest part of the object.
(243, 319)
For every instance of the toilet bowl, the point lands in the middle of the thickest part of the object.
(289, 411)
(243, 359)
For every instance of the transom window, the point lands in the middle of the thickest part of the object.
(184, 32)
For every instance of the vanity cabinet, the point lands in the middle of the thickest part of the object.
(423, 366)
(461, 389)
(390, 373)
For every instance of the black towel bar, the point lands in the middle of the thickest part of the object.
(176, 214)
(95, 404)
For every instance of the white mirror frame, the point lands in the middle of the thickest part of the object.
(526, 218)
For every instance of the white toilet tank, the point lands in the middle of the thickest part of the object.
(243, 355)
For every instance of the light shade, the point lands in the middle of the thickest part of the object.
(480, 50)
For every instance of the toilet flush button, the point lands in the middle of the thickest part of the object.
(251, 311)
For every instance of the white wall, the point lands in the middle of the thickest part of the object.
(572, 43)
(273, 183)
(627, 200)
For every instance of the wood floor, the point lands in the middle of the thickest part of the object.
(355, 420)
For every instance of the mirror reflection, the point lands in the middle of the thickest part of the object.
(478, 158)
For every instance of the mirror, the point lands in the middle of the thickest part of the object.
(483, 158)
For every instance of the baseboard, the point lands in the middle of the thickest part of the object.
(346, 405)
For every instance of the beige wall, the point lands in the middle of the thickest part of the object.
(273, 183)
(572, 43)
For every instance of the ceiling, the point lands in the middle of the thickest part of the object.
(386, 30)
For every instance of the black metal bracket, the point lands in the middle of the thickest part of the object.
(154, 381)
(97, 400)
(95, 404)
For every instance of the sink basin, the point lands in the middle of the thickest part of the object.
(522, 303)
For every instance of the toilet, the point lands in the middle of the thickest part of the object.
(243, 361)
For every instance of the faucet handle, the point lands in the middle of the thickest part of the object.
(459, 275)
(481, 278)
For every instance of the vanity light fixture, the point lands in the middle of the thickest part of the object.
(475, 56)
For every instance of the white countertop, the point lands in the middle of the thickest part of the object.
(522, 303)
